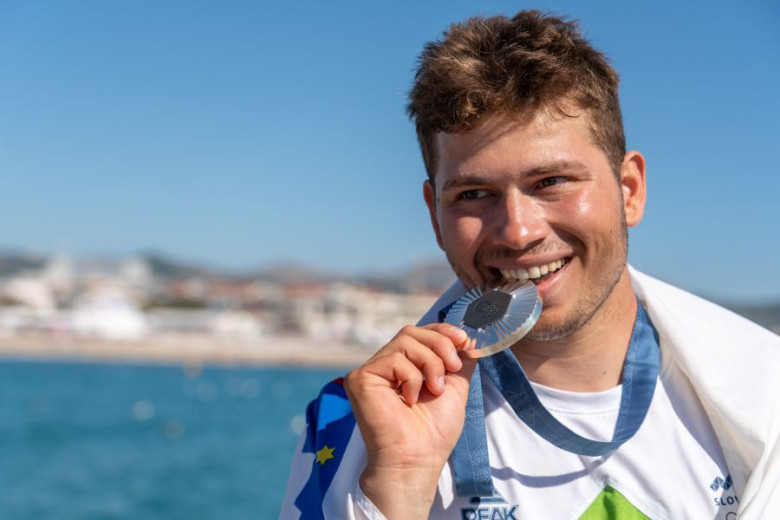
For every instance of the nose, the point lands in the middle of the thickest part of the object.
(520, 222)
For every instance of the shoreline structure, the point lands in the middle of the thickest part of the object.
(186, 349)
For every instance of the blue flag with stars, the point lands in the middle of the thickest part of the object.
(329, 425)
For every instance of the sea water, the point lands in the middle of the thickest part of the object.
(92, 441)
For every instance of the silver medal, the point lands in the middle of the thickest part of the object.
(497, 318)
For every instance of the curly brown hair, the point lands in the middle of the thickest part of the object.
(514, 66)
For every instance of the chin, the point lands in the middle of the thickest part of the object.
(549, 334)
(552, 327)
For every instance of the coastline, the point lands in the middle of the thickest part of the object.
(186, 349)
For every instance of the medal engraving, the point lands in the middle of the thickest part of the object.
(487, 309)
(495, 319)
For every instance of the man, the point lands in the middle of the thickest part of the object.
(528, 178)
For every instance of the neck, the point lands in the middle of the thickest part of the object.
(590, 359)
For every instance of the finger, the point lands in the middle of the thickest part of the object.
(409, 377)
(395, 343)
(437, 343)
(429, 361)
(445, 340)
(423, 357)
(456, 335)
(396, 370)
(431, 349)
(469, 364)
(461, 379)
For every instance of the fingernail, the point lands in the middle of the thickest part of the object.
(440, 381)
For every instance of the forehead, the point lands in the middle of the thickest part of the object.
(504, 144)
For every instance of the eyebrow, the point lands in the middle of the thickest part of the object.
(480, 180)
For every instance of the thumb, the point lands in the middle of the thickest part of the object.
(462, 378)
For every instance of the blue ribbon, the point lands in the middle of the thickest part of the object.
(470, 459)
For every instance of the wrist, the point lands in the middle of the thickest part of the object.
(406, 494)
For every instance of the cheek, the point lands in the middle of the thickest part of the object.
(597, 207)
(589, 217)
(582, 207)
(461, 234)
(576, 214)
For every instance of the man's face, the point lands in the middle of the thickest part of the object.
(515, 200)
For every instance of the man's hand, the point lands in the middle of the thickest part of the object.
(409, 400)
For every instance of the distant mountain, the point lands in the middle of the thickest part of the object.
(432, 275)
(14, 263)
(767, 315)
(286, 272)
(166, 267)
(428, 276)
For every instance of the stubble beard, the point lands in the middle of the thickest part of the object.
(583, 312)
(587, 305)
(461, 274)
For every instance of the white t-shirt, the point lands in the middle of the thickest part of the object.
(672, 468)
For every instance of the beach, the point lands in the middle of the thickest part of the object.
(187, 349)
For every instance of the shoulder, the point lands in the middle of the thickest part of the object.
(674, 310)
(729, 360)
(733, 366)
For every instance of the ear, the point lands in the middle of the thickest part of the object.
(632, 182)
(429, 194)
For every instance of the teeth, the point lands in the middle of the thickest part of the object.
(533, 272)
(518, 274)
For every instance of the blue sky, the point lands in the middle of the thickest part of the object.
(245, 133)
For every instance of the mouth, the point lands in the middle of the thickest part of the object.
(536, 274)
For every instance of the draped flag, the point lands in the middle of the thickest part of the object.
(329, 425)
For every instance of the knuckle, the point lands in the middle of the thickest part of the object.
(349, 380)
(407, 344)
(356, 376)
(398, 357)
(406, 330)
(441, 342)
(441, 327)
(415, 376)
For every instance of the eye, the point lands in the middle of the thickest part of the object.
(551, 181)
(473, 194)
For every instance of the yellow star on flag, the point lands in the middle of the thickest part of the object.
(325, 454)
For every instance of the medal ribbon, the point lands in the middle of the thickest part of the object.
(470, 460)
